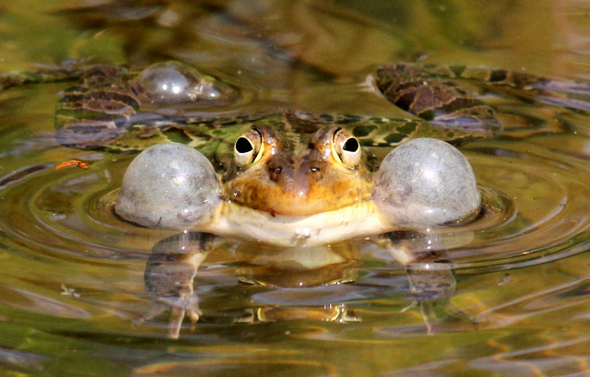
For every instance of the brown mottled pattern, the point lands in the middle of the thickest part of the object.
(106, 104)
(102, 111)
(435, 99)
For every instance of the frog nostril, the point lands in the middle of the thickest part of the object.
(274, 173)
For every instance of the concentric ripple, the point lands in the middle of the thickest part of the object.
(538, 201)
(69, 211)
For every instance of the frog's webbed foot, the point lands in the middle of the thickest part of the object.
(179, 308)
(169, 276)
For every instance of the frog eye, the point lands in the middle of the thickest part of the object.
(346, 149)
(247, 148)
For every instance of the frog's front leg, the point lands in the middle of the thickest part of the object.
(430, 273)
(424, 256)
(432, 284)
(169, 275)
(172, 186)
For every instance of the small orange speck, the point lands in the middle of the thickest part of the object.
(80, 164)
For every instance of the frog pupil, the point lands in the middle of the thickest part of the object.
(351, 145)
(243, 145)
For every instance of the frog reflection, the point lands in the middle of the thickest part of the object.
(171, 269)
(430, 278)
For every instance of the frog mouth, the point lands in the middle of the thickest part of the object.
(291, 204)
(303, 199)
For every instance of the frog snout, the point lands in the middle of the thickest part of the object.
(295, 179)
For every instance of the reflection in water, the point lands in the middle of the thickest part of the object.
(174, 262)
(297, 267)
(519, 303)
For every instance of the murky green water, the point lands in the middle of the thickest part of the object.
(71, 273)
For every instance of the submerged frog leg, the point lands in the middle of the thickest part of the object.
(525, 86)
(91, 113)
(424, 256)
(436, 99)
(98, 109)
(430, 274)
(408, 86)
(432, 284)
(169, 275)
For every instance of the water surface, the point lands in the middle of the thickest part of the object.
(72, 273)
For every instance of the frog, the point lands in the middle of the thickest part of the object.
(279, 177)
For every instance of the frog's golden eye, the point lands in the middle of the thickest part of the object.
(346, 149)
(248, 148)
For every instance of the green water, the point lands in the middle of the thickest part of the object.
(71, 273)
